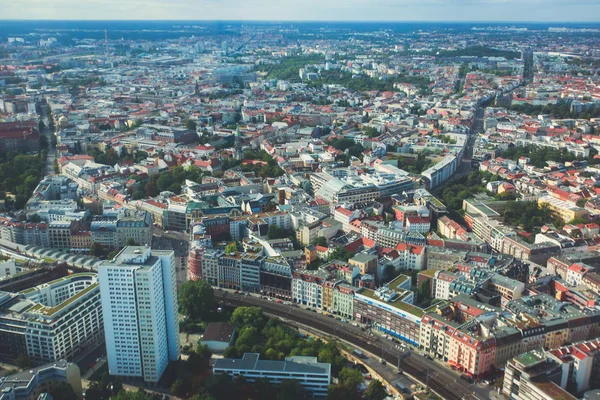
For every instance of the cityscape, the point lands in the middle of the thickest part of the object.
(282, 210)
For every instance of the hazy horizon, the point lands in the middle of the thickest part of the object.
(493, 11)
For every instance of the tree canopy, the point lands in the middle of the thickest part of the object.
(195, 298)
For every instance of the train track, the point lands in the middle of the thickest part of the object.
(442, 382)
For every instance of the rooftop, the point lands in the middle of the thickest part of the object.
(218, 332)
(530, 358)
(251, 362)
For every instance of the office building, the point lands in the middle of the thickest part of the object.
(139, 303)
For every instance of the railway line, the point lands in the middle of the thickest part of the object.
(439, 379)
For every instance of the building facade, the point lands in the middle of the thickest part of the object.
(139, 304)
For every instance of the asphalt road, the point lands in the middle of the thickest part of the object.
(442, 380)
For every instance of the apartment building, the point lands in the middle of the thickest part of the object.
(35, 383)
(139, 303)
(563, 209)
(534, 376)
(113, 230)
(307, 288)
(314, 376)
(53, 321)
(390, 309)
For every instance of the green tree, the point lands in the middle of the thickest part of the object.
(178, 388)
(191, 124)
(23, 361)
(196, 298)
(342, 392)
(117, 386)
(43, 142)
(248, 316)
(375, 391)
(139, 394)
(321, 241)
(130, 242)
(424, 291)
(231, 248)
(290, 389)
(341, 253)
(150, 189)
(350, 377)
(96, 250)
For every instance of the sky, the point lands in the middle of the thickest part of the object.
(306, 10)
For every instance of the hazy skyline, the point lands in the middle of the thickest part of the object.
(289, 10)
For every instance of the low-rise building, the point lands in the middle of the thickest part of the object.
(314, 376)
(218, 336)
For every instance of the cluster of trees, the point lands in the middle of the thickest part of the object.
(19, 175)
(349, 380)
(111, 156)
(414, 165)
(361, 83)
(538, 156)
(288, 68)
(165, 181)
(267, 169)
(479, 51)
(275, 232)
(258, 334)
(424, 292)
(196, 299)
(527, 214)
(190, 374)
(354, 149)
(454, 194)
(341, 253)
(560, 110)
(274, 341)
(191, 124)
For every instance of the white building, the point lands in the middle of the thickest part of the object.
(36, 382)
(139, 303)
(312, 375)
(307, 289)
(53, 321)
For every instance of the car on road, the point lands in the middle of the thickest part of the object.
(358, 354)
(361, 368)
(466, 377)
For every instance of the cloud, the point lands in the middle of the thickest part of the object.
(385, 10)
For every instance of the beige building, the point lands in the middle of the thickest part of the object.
(564, 210)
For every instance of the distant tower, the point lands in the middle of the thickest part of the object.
(106, 45)
(238, 143)
(197, 89)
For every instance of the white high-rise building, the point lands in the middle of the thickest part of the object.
(138, 289)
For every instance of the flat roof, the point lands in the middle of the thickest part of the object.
(251, 362)
(530, 358)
